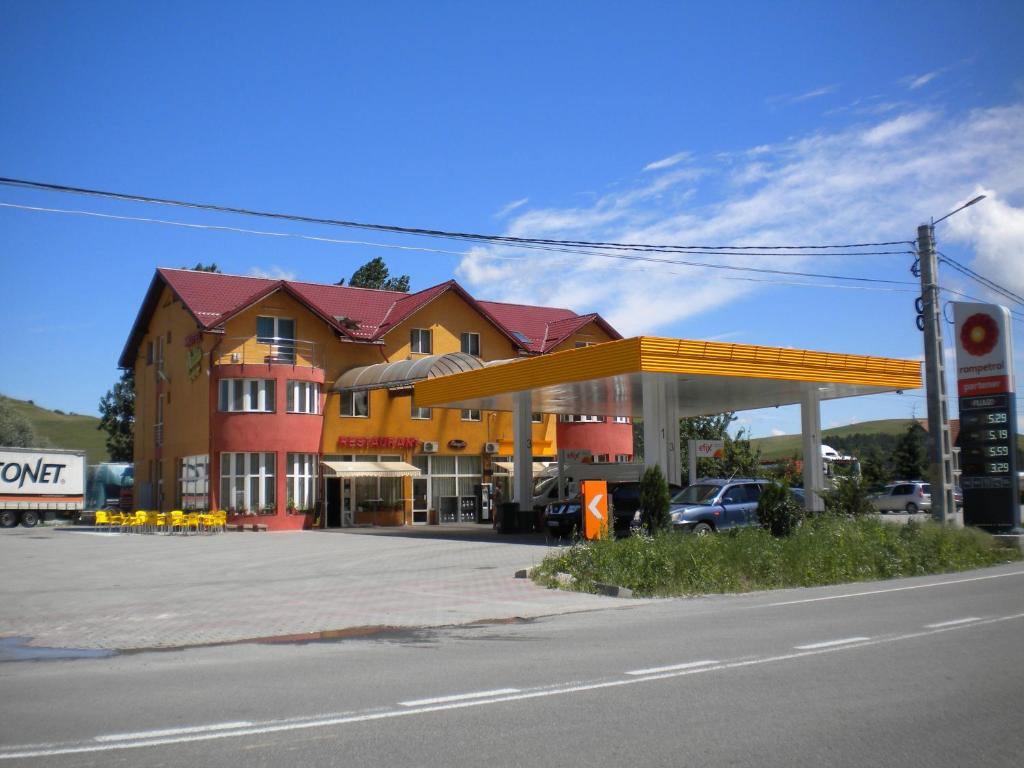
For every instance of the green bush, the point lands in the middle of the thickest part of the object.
(654, 500)
(823, 550)
(777, 510)
(849, 498)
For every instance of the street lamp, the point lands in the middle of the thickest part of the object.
(940, 447)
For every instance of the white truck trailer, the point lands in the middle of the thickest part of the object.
(40, 484)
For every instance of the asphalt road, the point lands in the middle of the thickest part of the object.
(923, 671)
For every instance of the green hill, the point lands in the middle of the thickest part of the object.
(786, 446)
(64, 430)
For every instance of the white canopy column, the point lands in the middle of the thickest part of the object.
(810, 429)
(661, 425)
(522, 453)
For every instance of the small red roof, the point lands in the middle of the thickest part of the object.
(361, 314)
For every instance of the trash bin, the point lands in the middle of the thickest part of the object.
(509, 521)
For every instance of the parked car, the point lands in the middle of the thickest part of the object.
(910, 496)
(564, 516)
(714, 504)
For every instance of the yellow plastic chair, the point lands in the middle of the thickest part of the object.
(116, 517)
(175, 521)
(137, 522)
(192, 521)
(208, 521)
(154, 521)
(102, 519)
(221, 520)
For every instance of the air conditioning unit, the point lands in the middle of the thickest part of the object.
(430, 446)
(491, 447)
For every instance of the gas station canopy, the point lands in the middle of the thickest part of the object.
(707, 377)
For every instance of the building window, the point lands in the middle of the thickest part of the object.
(149, 353)
(601, 458)
(247, 481)
(584, 344)
(246, 395)
(194, 483)
(303, 397)
(356, 404)
(537, 418)
(470, 343)
(418, 413)
(301, 481)
(623, 458)
(448, 477)
(419, 341)
(158, 427)
(159, 355)
(569, 418)
(621, 420)
(279, 334)
(470, 414)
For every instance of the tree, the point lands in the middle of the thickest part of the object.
(15, 430)
(654, 500)
(200, 267)
(739, 457)
(910, 457)
(375, 274)
(117, 417)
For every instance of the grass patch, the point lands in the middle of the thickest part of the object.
(824, 550)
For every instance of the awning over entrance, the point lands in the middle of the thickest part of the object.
(369, 469)
(404, 373)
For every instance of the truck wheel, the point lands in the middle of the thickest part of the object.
(29, 518)
(8, 518)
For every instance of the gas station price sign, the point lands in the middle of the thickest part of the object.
(988, 415)
(988, 442)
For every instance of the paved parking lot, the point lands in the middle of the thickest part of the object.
(82, 589)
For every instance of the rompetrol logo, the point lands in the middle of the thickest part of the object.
(979, 334)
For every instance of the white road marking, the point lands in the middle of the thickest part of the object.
(324, 721)
(893, 589)
(671, 668)
(173, 731)
(952, 623)
(831, 643)
(458, 697)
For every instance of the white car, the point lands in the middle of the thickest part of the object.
(910, 496)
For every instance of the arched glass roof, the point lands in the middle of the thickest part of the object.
(405, 373)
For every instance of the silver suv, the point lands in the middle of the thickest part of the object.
(910, 496)
(713, 504)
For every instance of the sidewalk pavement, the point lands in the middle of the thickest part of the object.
(77, 588)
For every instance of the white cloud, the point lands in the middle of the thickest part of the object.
(274, 273)
(816, 93)
(776, 432)
(667, 162)
(897, 128)
(507, 209)
(858, 184)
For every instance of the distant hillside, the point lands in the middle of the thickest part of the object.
(62, 430)
(786, 446)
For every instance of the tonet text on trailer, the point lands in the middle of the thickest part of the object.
(40, 484)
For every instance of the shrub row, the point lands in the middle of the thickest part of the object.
(824, 550)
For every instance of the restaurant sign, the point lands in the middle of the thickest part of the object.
(346, 441)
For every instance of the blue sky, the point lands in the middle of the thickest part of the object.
(743, 123)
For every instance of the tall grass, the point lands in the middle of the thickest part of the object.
(824, 550)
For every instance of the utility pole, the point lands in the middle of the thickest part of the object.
(940, 448)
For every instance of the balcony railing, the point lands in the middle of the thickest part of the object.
(250, 350)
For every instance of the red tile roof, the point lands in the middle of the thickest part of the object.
(212, 298)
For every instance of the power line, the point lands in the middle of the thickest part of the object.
(636, 258)
(476, 237)
(981, 279)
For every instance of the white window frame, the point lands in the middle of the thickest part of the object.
(470, 414)
(247, 396)
(466, 343)
(194, 482)
(416, 341)
(301, 479)
(303, 397)
(622, 420)
(354, 398)
(282, 346)
(537, 418)
(419, 414)
(623, 458)
(581, 344)
(572, 418)
(236, 482)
